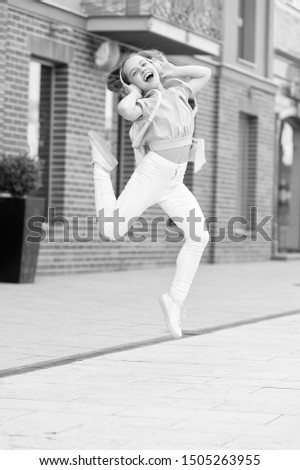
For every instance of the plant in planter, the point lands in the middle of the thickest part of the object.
(19, 176)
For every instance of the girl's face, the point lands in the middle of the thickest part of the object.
(141, 72)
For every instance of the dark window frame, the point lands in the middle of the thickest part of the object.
(51, 66)
(247, 168)
(247, 30)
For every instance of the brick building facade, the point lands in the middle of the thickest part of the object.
(48, 50)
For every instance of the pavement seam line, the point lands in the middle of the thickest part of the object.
(20, 370)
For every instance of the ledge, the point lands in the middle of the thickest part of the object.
(150, 32)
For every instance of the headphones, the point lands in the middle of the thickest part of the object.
(121, 78)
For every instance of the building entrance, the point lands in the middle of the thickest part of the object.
(289, 187)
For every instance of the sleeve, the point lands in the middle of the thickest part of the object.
(147, 105)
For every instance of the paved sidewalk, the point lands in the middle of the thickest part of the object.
(232, 388)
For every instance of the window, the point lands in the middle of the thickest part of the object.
(125, 155)
(247, 167)
(40, 121)
(246, 32)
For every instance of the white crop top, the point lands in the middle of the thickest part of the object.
(167, 121)
(174, 118)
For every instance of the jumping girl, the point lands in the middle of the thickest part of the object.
(162, 134)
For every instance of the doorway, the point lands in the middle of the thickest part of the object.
(289, 187)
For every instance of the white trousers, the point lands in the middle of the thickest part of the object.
(156, 180)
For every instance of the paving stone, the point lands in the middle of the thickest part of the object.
(234, 388)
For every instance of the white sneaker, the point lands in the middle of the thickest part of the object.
(100, 152)
(172, 313)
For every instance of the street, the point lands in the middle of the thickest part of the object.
(87, 363)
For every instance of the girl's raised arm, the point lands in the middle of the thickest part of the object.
(198, 76)
(128, 107)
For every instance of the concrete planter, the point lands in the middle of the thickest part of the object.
(18, 258)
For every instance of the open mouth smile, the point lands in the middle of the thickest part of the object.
(148, 76)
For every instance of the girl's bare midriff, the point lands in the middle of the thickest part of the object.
(177, 155)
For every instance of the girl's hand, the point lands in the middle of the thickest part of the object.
(168, 70)
(132, 89)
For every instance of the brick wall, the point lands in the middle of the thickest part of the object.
(231, 94)
(15, 72)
